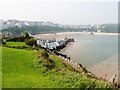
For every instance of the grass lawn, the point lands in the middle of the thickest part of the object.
(0, 67)
(20, 69)
(15, 43)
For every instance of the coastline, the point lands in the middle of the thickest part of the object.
(100, 69)
(63, 34)
(86, 33)
(97, 33)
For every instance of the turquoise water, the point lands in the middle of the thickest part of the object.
(92, 49)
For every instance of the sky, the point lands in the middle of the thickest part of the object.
(72, 12)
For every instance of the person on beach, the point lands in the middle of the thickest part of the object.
(112, 80)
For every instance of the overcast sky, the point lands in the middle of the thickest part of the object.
(61, 11)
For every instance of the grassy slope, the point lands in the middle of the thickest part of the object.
(15, 43)
(0, 67)
(21, 69)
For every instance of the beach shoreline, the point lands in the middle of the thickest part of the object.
(63, 34)
(82, 33)
(101, 69)
(87, 33)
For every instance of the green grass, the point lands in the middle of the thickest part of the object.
(21, 69)
(0, 67)
(15, 43)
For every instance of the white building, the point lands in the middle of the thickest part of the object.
(50, 44)
(41, 43)
(1, 24)
(18, 24)
(98, 31)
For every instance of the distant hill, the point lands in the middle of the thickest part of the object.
(108, 28)
(37, 29)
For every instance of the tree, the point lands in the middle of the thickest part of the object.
(31, 42)
(26, 35)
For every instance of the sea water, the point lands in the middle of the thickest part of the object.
(90, 50)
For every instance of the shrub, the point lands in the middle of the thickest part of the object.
(45, 60)
(16, 39)
(26, 35)
(44, 54)
(19, 38)
(31, 42)
(3, 42)
(49, 63)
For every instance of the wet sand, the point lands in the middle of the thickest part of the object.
(106, 69)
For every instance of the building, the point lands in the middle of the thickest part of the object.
(98, 31)
(52, 44)
(1, 24)
(41, 42)
(7, 34)
(18, 24)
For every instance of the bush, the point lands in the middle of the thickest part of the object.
(3, 42)
(16, 39)
(26, 35)
(46, 61)
(50, 64)
(31, 42)
(44, 54)
(21, 47)
(19, 38)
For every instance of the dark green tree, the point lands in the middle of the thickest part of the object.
(26, 35)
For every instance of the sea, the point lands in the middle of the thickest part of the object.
(90, 50)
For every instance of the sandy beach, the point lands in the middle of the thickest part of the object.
(61, 34)
(106, 69)
(86, 33)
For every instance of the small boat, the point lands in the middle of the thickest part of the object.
(91, 33)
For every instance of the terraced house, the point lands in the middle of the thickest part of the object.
(52, 44)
